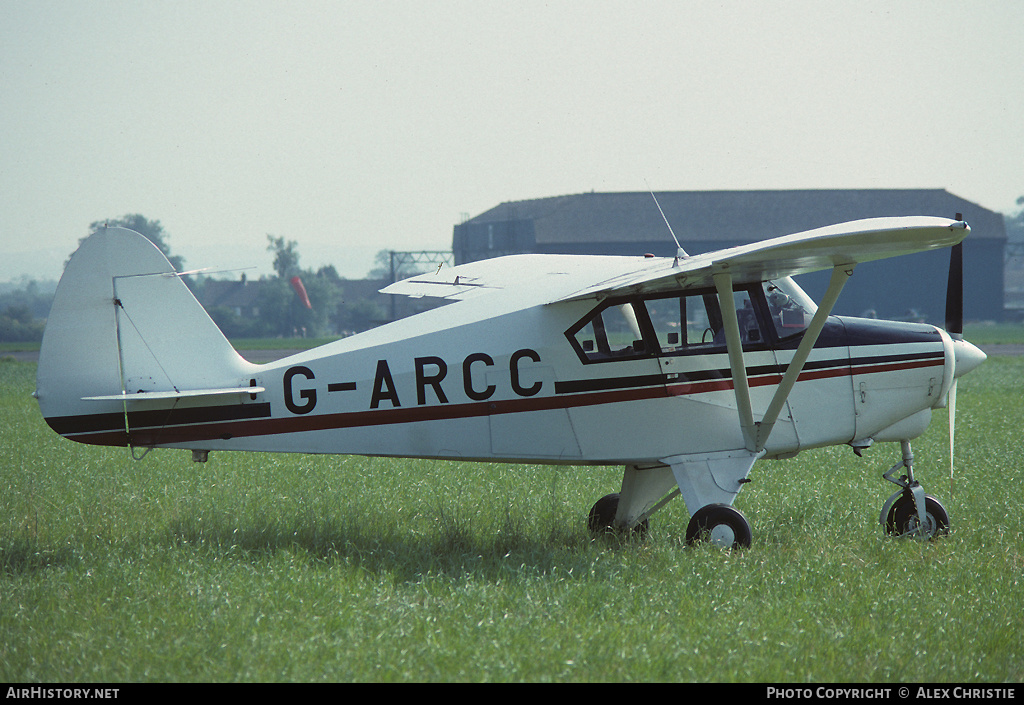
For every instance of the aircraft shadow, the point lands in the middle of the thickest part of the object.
(450, 548)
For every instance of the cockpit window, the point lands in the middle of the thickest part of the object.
(691, 323)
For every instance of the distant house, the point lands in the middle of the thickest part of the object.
(630, 224)
(362, 305)
(239, 295)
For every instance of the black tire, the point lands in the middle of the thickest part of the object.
(903, 520)
(719, 524)
(602, 517)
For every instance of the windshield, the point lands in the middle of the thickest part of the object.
(791, 308)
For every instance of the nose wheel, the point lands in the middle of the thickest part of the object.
(902, 518)
(911, 512)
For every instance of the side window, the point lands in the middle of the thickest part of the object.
(750, 332)
(684, 323)
(610, 333)
(663, 325)
(694, 322)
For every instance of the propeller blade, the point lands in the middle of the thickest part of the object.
(955, 292)
(955, 328)
(951, 407)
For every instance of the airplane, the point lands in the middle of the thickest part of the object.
(683, 370)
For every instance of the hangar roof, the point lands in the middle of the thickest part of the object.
(727, 216)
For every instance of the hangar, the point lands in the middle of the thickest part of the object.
(629, 223)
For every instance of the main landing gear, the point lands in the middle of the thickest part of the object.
(718, 524)
(602, 517)
(911, 512)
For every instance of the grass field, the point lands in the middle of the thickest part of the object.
(304, 568)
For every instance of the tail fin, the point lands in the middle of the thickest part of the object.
(124, 330)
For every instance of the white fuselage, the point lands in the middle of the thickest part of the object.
(508, 386)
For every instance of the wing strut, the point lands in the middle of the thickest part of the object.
(756, 434)
(840, 275)
(734, 346)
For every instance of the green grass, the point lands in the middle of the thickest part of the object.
(7, 347)
(994, 333)
(259, 567)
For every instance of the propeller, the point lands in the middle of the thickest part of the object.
(955, 328)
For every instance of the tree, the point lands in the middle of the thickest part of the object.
(281, 309)
(23, 312)
(286, 256)
(358, 315)
(152, 230)
(1015, 223)
(18, 324)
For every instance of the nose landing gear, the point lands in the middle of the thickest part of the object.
(910, 512)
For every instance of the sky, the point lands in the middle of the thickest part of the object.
(355, 127)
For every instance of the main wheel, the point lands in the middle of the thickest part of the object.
(602, 516)
(721, 525)
(903, 519)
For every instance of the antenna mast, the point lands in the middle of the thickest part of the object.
(680, 252)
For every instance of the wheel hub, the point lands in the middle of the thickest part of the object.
(722, 536)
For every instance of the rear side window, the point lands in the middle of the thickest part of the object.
(611, 332)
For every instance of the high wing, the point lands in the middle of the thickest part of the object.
(845, 245)
(567, 277)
